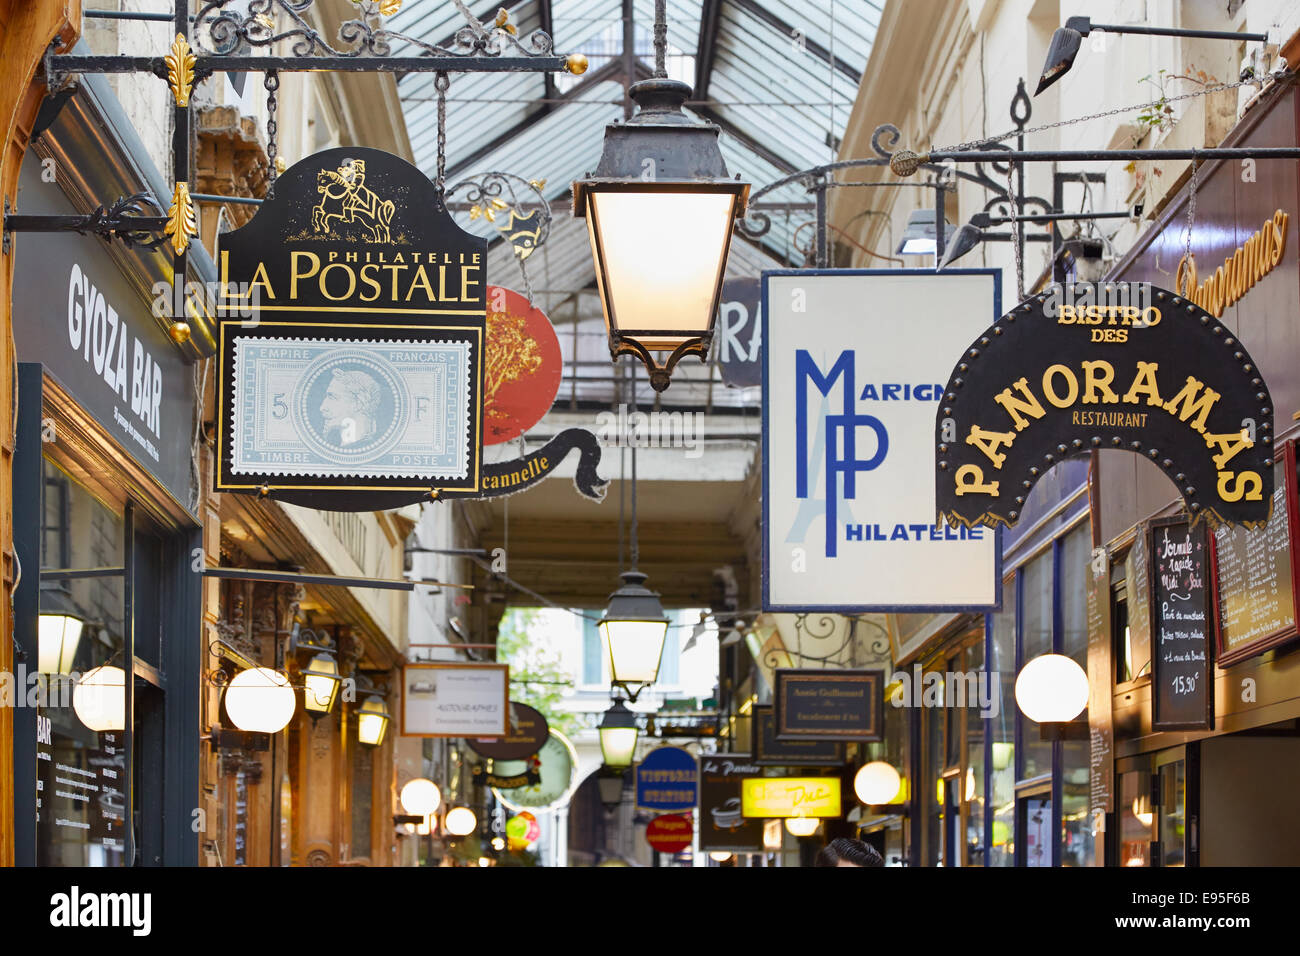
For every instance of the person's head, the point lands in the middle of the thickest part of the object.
(845, 852)
(350, 405)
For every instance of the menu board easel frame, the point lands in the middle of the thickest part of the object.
(1224, 657)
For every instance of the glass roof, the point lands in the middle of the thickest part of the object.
(777, 76)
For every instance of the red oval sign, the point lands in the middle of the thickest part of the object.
(670, 833)
(521, 375)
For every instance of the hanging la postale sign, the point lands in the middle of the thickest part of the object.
(1121, 366)
(352, 346)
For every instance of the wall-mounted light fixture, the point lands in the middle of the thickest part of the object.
(1066, 40)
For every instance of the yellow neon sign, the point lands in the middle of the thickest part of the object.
(790, 797)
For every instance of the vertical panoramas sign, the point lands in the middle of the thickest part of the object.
(1125, 366)
(1181, 695)
(352, 338)
(853, 369)
(722, 825)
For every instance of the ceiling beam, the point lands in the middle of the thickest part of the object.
(755, 9)
(706, 47)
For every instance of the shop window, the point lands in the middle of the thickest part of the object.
(933, 794)
(1077, 844)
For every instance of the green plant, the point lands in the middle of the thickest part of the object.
(537, 675)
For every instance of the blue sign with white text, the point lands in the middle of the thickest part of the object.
(667, 780)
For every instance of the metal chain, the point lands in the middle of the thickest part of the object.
(1163, 101)
(1191, 212)
(1016, 234)
(440, 83)
(272, 84)
(528, 283)
(661, 38)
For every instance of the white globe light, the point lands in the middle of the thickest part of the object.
(719, 856)
(460, 821)
(99, 698)
(260, 700)
(801, 826)
(877, 783)
(420, 797)
(1052, 688)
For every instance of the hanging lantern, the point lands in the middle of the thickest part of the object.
(634, 628)
(618, 735)
(321, 683)
(372, 721)
(659, 209)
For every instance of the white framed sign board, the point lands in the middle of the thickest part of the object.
(854, 366)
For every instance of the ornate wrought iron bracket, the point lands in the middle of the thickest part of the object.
(126, 219)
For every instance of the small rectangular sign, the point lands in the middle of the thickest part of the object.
(722, 825)
(829, 705)
(446, 699)
(790, 797)
(771, 752)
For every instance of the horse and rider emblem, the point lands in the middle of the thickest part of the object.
(346, 197)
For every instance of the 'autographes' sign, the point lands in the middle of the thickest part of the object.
(771, 752)
(1181, 696)
(1128, 367)
(356, 358)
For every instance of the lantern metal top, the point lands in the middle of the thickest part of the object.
(618, 717)
(681, 151)
(634, 601)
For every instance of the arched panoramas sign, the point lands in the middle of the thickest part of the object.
(1120, 366)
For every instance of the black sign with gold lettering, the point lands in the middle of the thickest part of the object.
(771, 752)
(353, 325)
(1123, 366)
(829, 705)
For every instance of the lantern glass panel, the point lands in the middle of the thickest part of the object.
(660, 256)
(635, 648)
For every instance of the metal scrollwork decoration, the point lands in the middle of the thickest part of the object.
(516, 207)
(114, 221)
(233, 27)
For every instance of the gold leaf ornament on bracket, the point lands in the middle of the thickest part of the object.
(181, 224)
(180, 69)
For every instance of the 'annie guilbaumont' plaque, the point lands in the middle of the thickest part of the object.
(353, 322)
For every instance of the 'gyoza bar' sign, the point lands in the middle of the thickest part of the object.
(1121, 367)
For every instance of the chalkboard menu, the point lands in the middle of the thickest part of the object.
(790, 753)
(1181, 696)
(1101, 730)
(1255, 576)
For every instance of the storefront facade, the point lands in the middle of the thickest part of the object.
(105, 527)
(1210, 796)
